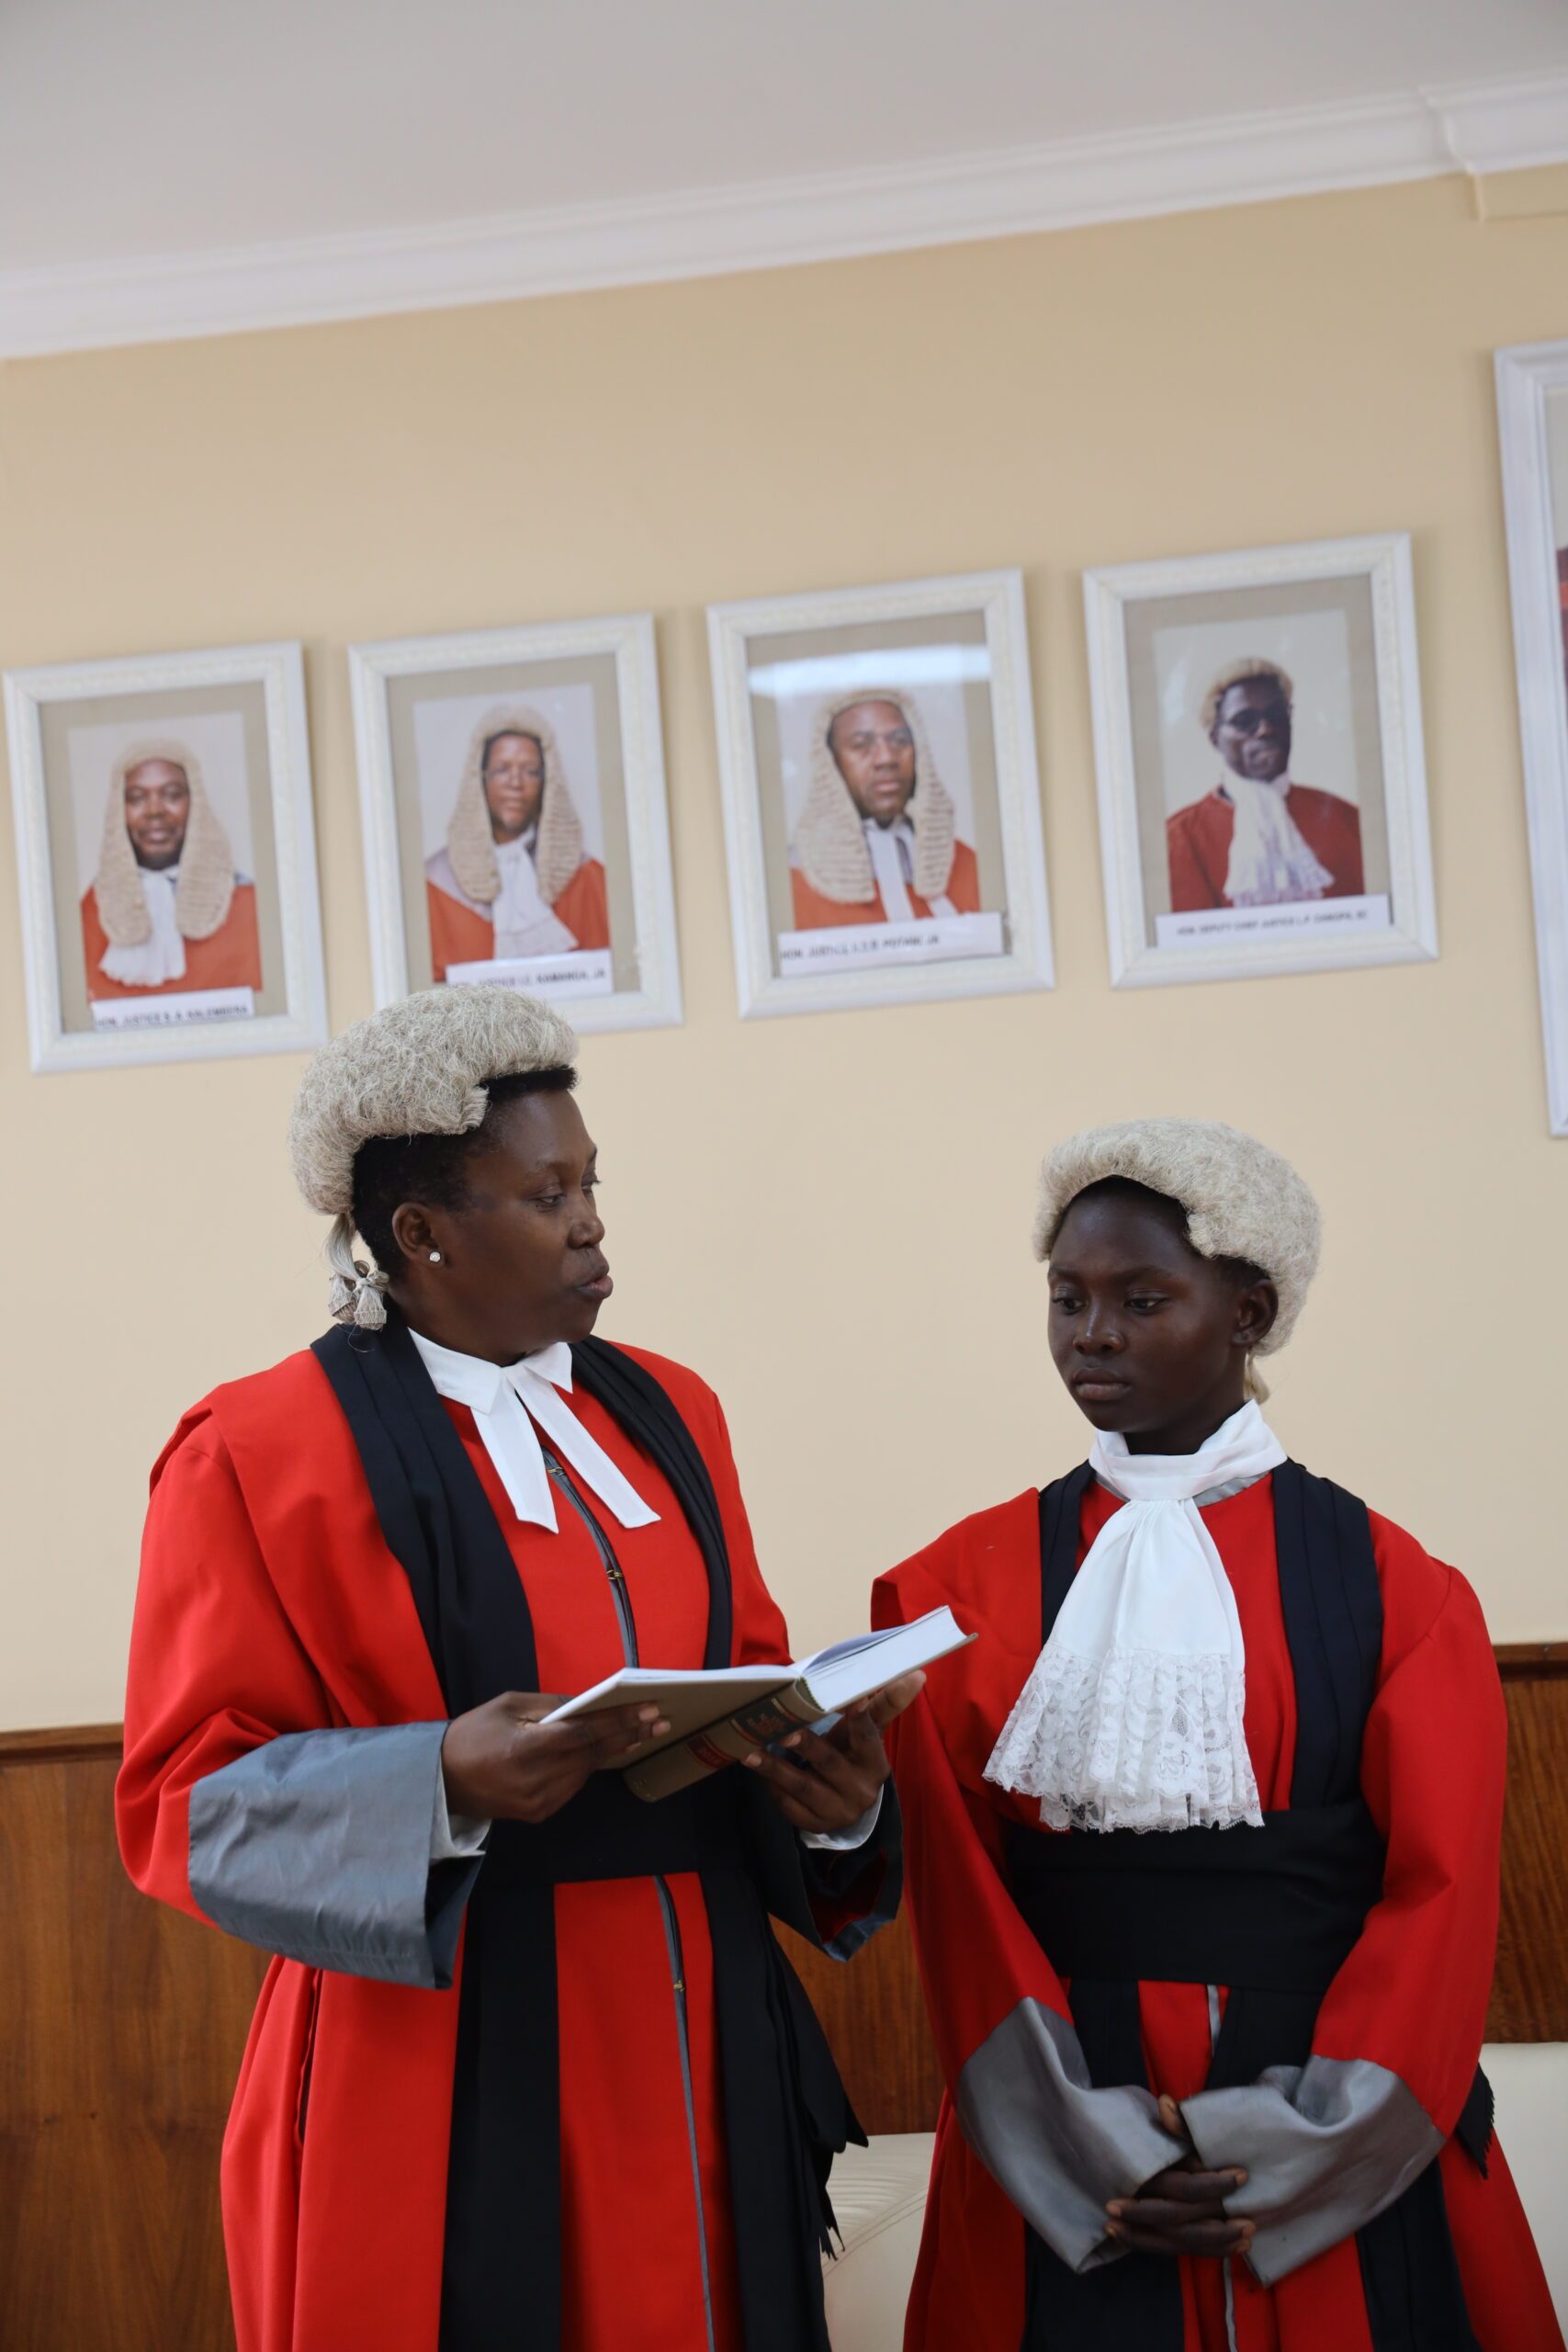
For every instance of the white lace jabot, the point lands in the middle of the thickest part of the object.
(1272, 863)
(1132, 1717)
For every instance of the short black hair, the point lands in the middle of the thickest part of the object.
(391, 1170)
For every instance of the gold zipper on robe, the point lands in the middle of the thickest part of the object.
(666, 1900)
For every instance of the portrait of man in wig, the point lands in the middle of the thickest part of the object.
(876, 840)
(514, 879)
(166, 912)
(1259, 839)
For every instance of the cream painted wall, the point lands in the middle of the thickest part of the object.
(829, 1216)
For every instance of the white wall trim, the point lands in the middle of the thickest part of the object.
(1237, 159)
(1503, 126)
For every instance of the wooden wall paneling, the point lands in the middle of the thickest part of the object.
(120, 2036)
(874, 2014)
(1530, 1991)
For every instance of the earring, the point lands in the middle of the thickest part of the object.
(435, 1257)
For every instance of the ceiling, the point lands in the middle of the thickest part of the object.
(333, 136)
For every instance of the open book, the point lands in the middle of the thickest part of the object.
(717, 1718)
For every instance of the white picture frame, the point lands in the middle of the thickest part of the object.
(245, 704)
(1345, 611)
(598, 678)
(981, 668)
(1532, 382)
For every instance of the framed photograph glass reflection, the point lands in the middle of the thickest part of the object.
(166, 856)
(1532, 409)
(1259, 752)
(881, 799)
(512, 792)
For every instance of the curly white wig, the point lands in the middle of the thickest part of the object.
(829, 844)
(470, 843)
(420, 1067)
(206, 887)
(1242, 1200)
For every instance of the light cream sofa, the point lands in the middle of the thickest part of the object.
(879, 2194)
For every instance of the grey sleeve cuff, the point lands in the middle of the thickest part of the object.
(1059, 2148)
(319, 1845)
(1326, 2147)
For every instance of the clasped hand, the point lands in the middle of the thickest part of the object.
(504, 1762)
(1181, 2209)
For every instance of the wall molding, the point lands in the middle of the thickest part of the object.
(1238, 159)
(68, 1746)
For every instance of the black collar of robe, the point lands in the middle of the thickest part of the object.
(785, 2108)
(1271, 1912)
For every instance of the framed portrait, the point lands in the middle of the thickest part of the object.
(512, 787)
(1532, 411)
(1258, 753)
(881, 800)
(166, 852)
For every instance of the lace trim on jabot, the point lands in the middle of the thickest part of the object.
(1142, 1739)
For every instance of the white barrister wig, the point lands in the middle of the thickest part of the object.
(470, 844)
(1242, 1200)
(830, 841)
(205, 890)
(420, 1067)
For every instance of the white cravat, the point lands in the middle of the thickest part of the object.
(506, 1400)
(1132, 1717)
(163, 956)
(892, 850)
(1271, 864)
(523, 924)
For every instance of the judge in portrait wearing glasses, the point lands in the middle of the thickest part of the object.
(1259, 839)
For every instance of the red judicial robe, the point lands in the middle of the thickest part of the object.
(814, 912)
(270, 1604)
(229, 959)
(1411, 1997)
(1198, 843)
(460, 936)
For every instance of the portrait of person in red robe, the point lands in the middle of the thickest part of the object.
(1204, 1834)
(167, 913)
(514, 879)
(876, 839)
(1259, 839)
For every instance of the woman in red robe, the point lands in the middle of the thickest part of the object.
(528, 2063)
(1205, 1889)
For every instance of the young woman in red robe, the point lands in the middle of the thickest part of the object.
(529, 2066)
(1205, 1889)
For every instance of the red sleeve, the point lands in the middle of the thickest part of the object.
(215, 1668)
(977, 1957)
(584, 906)
(458, 936)
(1192, 887)
(963, 881)
(1412, 1997)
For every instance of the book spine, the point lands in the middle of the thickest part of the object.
(688, 1760)
(770, 1718)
